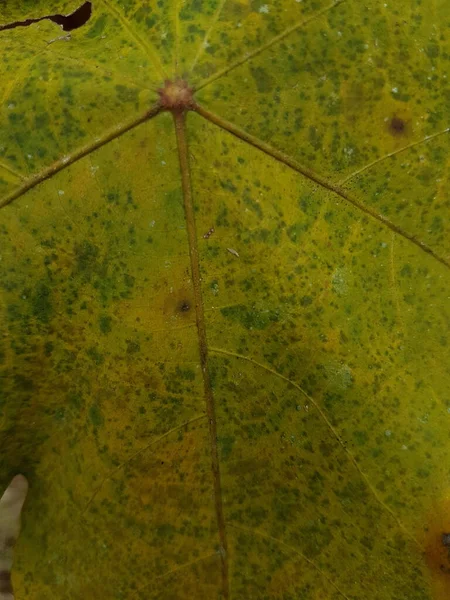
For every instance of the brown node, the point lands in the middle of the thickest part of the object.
(176, 95)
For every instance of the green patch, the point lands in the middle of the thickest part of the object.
(105, 324)
(225, 444)
(186, 374)
(41, 303)
(133, 347)
(250, 318)
(95, 355)
(263, 79)
(97, 28)
(95, 415)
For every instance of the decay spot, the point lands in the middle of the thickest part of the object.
(437, 548)
(185, 306)
(397, 125)
(5, 582)
(68, 22)
(176, 95)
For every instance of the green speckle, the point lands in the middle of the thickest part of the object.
(105, 324)
(95, 355)
(97, 28)
(186, 374)
(133, 347)
(264, 81)
(250, 318)
(95, 415)
(360, 437)
(41, 302)
(225, 445)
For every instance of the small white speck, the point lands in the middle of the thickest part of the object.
(29, 156)
(24, 297)
(94, 169)
(394, 90)
(61, 192)
(11, 106)
(163, 162)
(152, 223)
(206, 44)
(298, 1)
(239, 25)
(164, 35)
(339, 33)
(388, 433)
(448, 410)
(264, 9)
(383, 245)
(404, 447)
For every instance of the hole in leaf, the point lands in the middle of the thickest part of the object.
(68, 22)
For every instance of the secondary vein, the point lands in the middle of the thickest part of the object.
(312, 176)
(75, 156)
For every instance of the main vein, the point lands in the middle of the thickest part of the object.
(312, 176)
(180, 128)
(75, 156)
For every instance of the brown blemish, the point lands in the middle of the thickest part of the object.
(5, 582)
(397, 126)
(437, 549)
(179, 304)
(10, 542)
(185, 306)
(176, 96)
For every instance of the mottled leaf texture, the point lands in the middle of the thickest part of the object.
(224, 297)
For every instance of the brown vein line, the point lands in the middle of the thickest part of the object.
(336, 435)
(249, 55)
(133, 456)
(291, 549)
(390, 154)
(148, 48)
(183, 153)
(70, 159)
(293, 164)
(174, 570)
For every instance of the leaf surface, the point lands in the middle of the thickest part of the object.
(224, 326)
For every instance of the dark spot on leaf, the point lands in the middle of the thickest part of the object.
(42, 306)
(185, 306)
(105, 324)
(5, 582)
(95, 415)
(397, 126)
(74, 20)
(133, 347)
